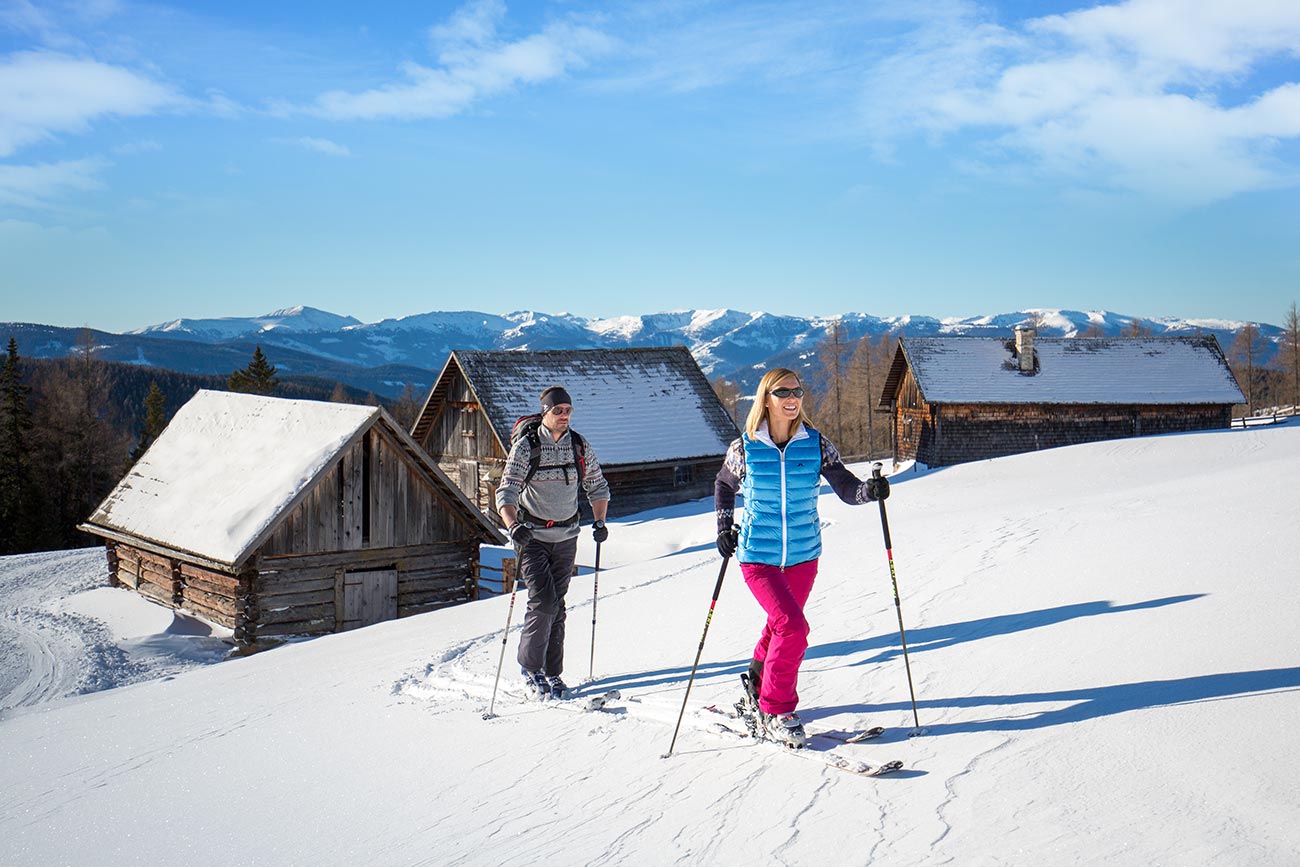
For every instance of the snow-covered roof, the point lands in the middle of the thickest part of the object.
(228, 466)
(633, 405)
(1069, 370)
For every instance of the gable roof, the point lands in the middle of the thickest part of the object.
(634, 405)
(1188, 369)
(229, 466)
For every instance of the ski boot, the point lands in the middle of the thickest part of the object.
(558, 688)
(785, 728)
(537, 685)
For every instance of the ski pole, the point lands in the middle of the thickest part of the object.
(717, 589)
(898, 605)
(504, 637)
(595, 594)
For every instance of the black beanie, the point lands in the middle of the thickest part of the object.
(554, 396)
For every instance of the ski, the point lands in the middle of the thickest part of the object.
(825, 757)
(851, 737)
(584, 703)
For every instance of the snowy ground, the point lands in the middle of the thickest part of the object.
(64, 632)
(1103, 640)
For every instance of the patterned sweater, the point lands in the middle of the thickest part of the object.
(552, 493)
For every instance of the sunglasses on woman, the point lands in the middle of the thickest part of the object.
(783, 393)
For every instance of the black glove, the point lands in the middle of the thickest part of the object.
(877, 488)
(599, 531)
(521, 534)
(727, 541)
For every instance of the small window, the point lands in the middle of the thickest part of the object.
(683, 475)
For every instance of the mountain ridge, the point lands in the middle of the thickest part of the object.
(384, 356)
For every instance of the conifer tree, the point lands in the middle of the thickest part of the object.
(155, 419)
(257, 378)
(19, 503)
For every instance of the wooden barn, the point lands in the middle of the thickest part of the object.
(650, 416)
(958, 399)
(277, 517)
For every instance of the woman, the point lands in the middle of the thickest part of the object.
(778, 464)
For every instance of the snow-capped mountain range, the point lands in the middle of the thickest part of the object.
(383, 356)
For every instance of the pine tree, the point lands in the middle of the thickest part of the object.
(257, 378)
(155, 419)
(19, 506)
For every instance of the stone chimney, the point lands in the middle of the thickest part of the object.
(1025, 347)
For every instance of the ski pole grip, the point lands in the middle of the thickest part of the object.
(875, 470)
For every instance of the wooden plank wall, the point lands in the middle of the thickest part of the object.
(404, 508)
(306, 594)
(635, 490)
(970, 432)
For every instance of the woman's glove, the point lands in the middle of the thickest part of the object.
(727, 541)
(877, 488)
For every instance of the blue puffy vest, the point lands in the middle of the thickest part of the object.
(781, 526)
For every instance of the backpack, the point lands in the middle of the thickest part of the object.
(526, 427)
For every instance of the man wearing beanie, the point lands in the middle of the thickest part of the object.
(540, 510)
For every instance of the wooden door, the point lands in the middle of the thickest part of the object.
(369, 597)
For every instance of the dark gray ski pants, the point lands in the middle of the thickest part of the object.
(545, 568)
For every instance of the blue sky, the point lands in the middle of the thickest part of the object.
(935, 157)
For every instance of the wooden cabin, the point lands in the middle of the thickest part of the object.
(958, 399)
(275, 517)
(649, 415)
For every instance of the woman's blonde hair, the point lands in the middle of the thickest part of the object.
(758, 411)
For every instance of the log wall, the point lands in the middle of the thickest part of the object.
(943, 435)
(296, 595)
(305, 594)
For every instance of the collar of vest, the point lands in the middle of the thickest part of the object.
(763, 435)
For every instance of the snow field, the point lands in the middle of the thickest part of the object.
(1102, 641)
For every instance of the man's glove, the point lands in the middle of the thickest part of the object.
(599, 531)
(521, 533)
(727, 541)
(877, 488)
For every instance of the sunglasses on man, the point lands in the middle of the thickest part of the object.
(561, 410)
(783, 393)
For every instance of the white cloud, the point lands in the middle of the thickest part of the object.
(1154, 96)
(34, 186)
(476, 63)
(319, 145)
(43, 93)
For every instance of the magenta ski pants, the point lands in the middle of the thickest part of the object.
(782, 593)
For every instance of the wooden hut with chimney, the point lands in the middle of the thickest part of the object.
(275, 517)
(958, 399)
(649, 414)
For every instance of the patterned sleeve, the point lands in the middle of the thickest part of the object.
(593, 480)
(846, 486)
(727, 484)
(512, 475)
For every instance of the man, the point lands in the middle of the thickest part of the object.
(539, 506)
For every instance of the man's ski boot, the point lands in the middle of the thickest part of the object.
(537, 684)
(559, 690)
(785, 728)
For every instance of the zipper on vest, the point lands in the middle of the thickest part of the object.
(785, 530)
